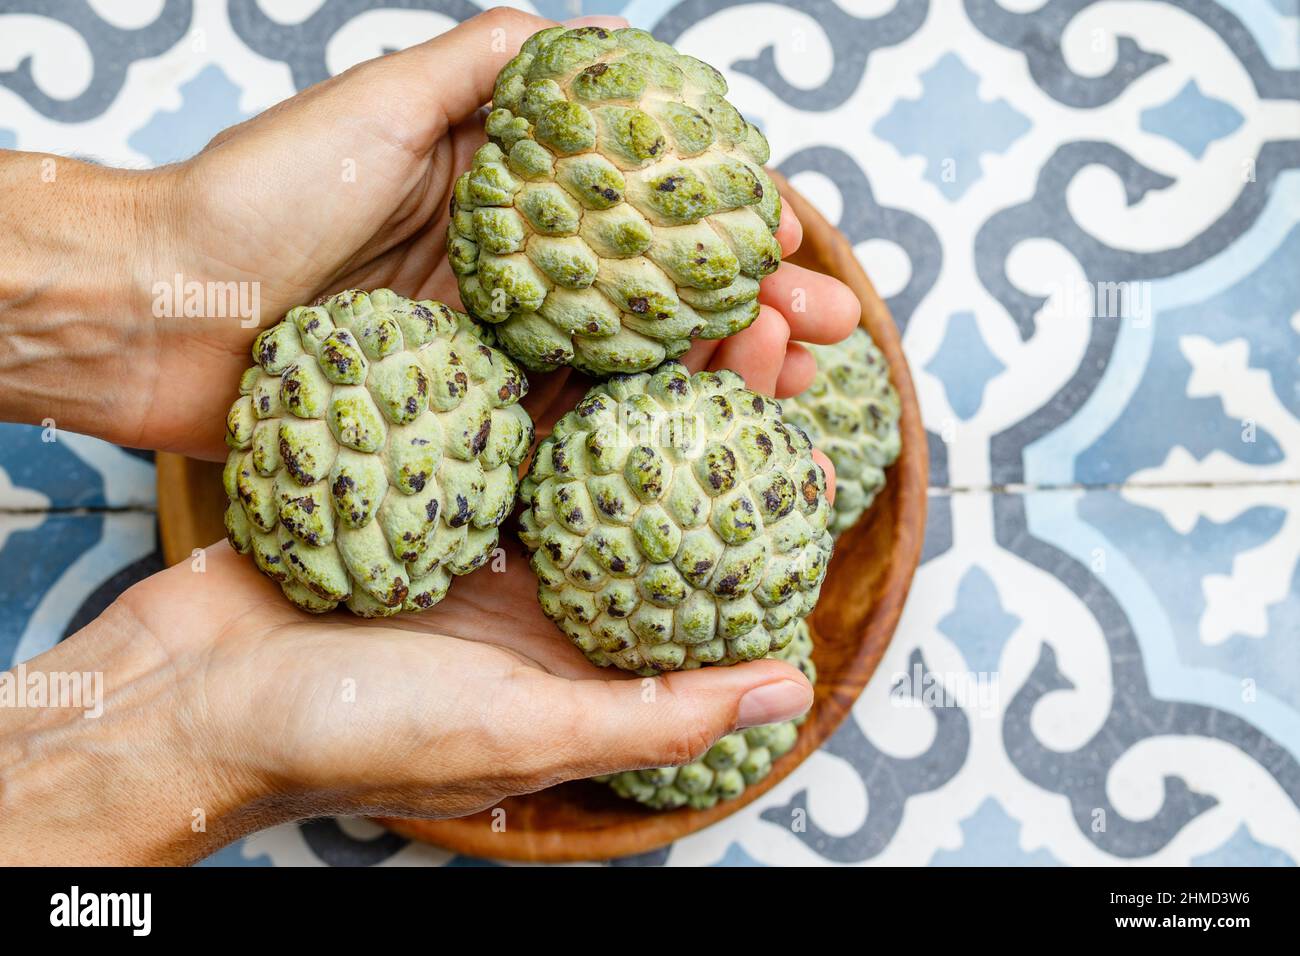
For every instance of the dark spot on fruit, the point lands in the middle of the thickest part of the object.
(618, 565)
(598, 69)
(417, 480)
(480, 439)
(431, 510)
(638, 304)
(419, 442)
(669, 184)
(264, 403)
(412, 406)
(463, 513)
(809, 489)
(397, 593)
(677, 385)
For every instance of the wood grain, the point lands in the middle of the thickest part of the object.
(861, 601)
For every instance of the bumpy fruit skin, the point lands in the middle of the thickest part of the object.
(735, 762)
(620, 209)
(851, 413)
(676, 520)
(375, 449)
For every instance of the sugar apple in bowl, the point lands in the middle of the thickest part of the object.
(851, 413)
(735, 762)
(676, 520)
(620, 208)
(375, 449)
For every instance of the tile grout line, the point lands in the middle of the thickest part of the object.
(1020, 489)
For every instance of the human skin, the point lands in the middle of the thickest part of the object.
(223, 704)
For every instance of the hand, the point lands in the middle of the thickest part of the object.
(225, 701)
(345, 185)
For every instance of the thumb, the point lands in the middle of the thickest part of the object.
(457, 70)
(608, 726)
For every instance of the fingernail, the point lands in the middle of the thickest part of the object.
(772, 703)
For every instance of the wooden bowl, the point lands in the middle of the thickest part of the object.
(860, 604)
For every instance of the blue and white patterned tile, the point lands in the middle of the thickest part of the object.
(52, 469)
(63, 569)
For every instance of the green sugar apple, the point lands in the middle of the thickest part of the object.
(375, 449)
(620, 208)
(676, 520)
(851, 413)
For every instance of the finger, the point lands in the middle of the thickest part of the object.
(789, 232)
(610, 726)
(757, 353)
(797, 373)
(457, 70)
(829, 469)
(819, 308)
(700, 354)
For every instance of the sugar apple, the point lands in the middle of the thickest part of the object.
(375, 449)
(735, 762)
(851, 413)
(675, 520)
(620, 209)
